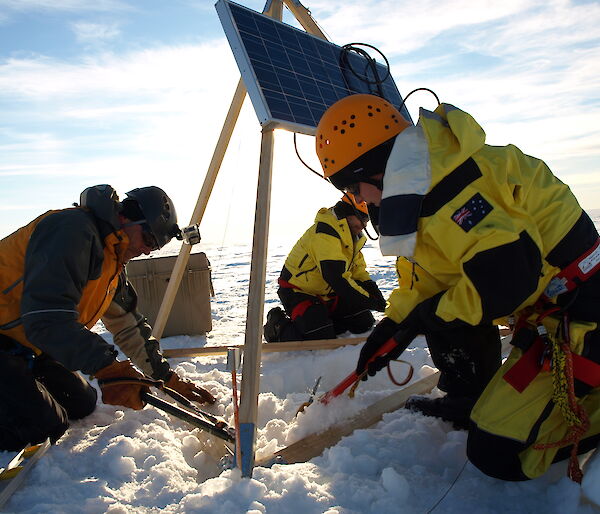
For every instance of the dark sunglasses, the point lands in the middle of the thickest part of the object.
(355, 188)
(148, 238)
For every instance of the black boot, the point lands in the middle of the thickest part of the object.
(276, 320)
(456, 409)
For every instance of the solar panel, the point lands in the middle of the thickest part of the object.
(291, 76)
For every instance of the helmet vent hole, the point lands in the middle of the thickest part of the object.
(387, 127)
(352, 116)
(326, 159)
(369, 106)
(344, 122)
(370, 114)
(359, 144)
(351, 125)
(378, 109)
(332, 161)
(343, 131)
(335, 127)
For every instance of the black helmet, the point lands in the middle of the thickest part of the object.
(159, 212)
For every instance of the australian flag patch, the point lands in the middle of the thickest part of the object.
(472, 212)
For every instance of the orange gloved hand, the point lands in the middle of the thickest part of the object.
(188, 389)
(121, 384)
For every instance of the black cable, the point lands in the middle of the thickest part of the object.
(345, 63)
(302, 160)
(419, 89)
(449, 488)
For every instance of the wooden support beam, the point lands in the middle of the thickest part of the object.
(287, 346)
(256, 301)
(302, 14)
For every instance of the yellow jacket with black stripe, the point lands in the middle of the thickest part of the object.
(489, 226)
(328, 260)
(58, 276)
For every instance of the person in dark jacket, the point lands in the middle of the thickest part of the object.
(324, 285)
(59, 275)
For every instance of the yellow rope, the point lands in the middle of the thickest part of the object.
(564, 397)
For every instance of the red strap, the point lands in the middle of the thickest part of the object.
(581, 269)
(586, 370)
(285, 284)
(528, 366)
(300, 309)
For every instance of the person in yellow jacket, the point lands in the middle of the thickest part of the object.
(502, 237)
(59, 275)
(324, 285)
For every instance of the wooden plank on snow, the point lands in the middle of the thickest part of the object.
(315, 444)
(288, 346)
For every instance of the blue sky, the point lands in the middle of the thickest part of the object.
(135, 93)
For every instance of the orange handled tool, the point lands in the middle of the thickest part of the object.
(352, 378)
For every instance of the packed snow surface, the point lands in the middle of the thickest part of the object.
(122, 461)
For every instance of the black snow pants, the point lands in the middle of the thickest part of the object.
(38, 397)
(467, 357)
(312, 318)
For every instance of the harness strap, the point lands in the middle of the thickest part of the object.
(531, 363)
(301, 308)
(578, 271)
(285, 284)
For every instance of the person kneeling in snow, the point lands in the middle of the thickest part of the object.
(324, 285)
(503, 238)
(59, 275)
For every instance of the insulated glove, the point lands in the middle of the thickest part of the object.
(377, 299)
(188, 389)
(385, 330)
(121, 384)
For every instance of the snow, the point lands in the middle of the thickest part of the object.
(122, 461)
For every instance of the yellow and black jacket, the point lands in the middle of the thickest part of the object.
(58, 276)
(491, 224)
(327, 261)
(489, 227)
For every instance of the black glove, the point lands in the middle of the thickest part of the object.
(377, 299)
(385, 330)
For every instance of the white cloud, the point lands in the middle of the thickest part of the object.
(87, 32)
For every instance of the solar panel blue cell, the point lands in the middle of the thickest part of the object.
(292, 76)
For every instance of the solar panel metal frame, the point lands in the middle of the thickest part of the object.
(338, 86)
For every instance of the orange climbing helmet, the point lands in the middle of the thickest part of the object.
(361, 207)
(355, 136)
(348, 206)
